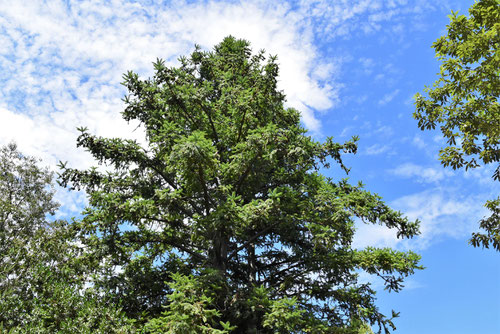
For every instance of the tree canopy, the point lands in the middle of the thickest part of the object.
(463, 102)
(221, 221)
(41, 279)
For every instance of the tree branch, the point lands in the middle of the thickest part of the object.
(252, 239)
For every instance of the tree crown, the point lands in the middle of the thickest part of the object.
(228, 190)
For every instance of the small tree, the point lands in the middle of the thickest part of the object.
(464, 100)
(227, 192)
(41, 278)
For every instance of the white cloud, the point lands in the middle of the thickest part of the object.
(376, 149)
(62, 61)
(443, 213)
(388, 97)
(421, 174)
(326, 71)
(374, 235)
(379, 77)
(65, 62)
(341, 18)
(367, 64)
(418, 142)
(68, 57)
(71, 202)
(346, 130)
(483, 175)
(439, 139)
(384, 130)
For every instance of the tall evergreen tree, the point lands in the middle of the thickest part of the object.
(222, 221)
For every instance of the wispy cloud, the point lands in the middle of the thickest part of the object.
(443, 213)
(341, 18)
(61, 61)
(483, 176)
(374, 235)
(418, 142)
(367, 64)
(388, 97)
(421, 174)
(376, 149)
(384, 130)
(71, 202)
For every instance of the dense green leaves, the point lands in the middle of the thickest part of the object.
(222, 218)
(189, 309)
(464, 103)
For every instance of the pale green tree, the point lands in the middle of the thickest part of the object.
(42, 281)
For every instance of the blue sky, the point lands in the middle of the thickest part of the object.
(350, 67)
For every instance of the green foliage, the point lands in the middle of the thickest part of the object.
(491, 225)
(41, 277)
(464, 99)
(25, 198)
(223, 215)
(283, 316)
(188, 310)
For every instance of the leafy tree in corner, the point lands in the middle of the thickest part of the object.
(221, 221)
(41, 282)
(464, 100)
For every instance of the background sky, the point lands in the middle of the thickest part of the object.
(350, 67)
